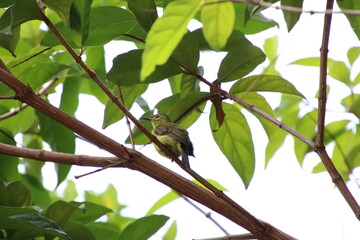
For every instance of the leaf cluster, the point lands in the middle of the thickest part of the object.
(166, 51)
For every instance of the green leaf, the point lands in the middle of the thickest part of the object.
(9, 36)
(166, 33)
(274, 145)
(89, 212)
(60, 212)
(78, 231)
(186, 54)
(236, 40)
(14, 194)
(171, 232)
(345, 147)
(142, 104)
(271, 47)
(175, 83)
(239, 62)
(70, 95)
(107, 199)
(40, 73)
(189, 85)
(306, 126)
(33, 220)
(235, 141)
(257, 23)
(172, 195)
(218, 20)
(104, 230)
(183, 105)
(260, 102)
(145, 12)
(6, 3)
(339, 71)
(126, 70)
(62, 8)
(354, 20)
(8, 164)
(352, 103)
(334, 129)
(24, 11)
(167, 198)
(70, 192)
(80, 20)
(60, 139)
(267, 83)
(40, 196)
(143, 228)
(353, 54)
(291, 18)
(311, 61)
(108, 23)
(95, 60)
(112, 112)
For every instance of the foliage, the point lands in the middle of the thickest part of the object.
(165, 51)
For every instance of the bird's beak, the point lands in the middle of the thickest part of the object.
(146, 118)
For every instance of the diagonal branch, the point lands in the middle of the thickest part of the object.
(153, 139)
(321, 151)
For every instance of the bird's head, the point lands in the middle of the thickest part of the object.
(158, 119)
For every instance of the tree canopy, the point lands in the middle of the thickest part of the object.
(50, 45)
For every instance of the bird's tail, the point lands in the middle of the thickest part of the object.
(185, 158)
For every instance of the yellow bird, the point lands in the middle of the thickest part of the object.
(172, 136)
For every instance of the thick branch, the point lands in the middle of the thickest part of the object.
(93, 75)
(135, 160)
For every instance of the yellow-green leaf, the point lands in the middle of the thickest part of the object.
(218, 20)
(166, 33)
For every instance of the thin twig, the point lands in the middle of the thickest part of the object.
(289, 8)
(41, 92)
(208, 215)
(134, 37)
(7, 97)
(99, 170)
(246, 236)
(323, 74)
(127, 119)
(27, 59)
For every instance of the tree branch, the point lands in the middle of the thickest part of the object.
(24, 105)
(323, 74)
(334, 174)
(152, 138)
(132, 159)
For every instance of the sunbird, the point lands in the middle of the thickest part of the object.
(172, 136)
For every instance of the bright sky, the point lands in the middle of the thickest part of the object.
(304, 205)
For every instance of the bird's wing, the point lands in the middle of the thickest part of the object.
(182, 136)
(178, 134)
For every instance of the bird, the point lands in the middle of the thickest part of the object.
(172, 136)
